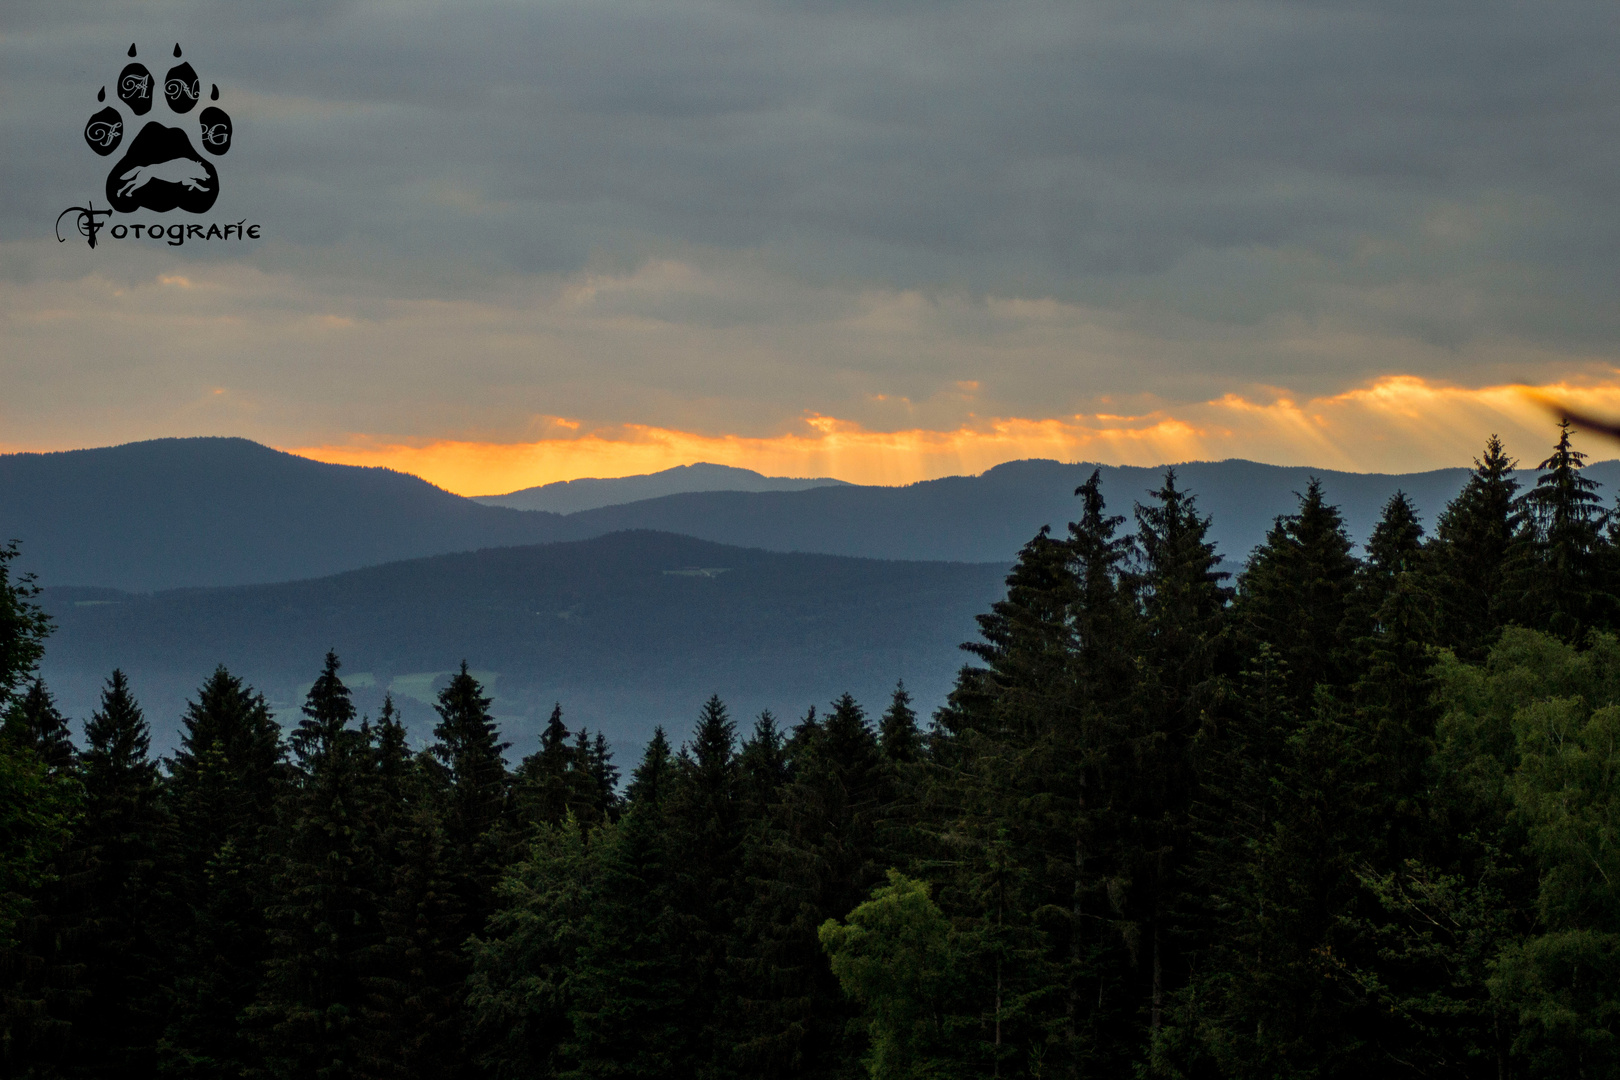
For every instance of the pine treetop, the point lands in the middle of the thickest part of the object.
(119, 739)
(898, 736)
(714, 742)
(232, 718)
(328, 711)
(1178, 581)
(554, 738)
(35, 722)
(1295, 592)
(1396, 543)
(649, 783)
(1562, 499)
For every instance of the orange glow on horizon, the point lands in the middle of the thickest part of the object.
(1399, 423)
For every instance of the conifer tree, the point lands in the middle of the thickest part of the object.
(323, 903)
(704, 811)
(1467, 558)
(221, 794)
(1394, 548)
(1559, 568)
(543, 780)
(35, 722)
(1037, 745)
(898, 736)
(24, 627)
(40, 798)
(649, 783)
(524, 988)
(1184, 650)
(1075, 776)
(605, 775)
(1295, 593)
(820, 857)
(1392, 695)
(763, 767)
(587, 801)
(42, 883)
(631, 993)
(475, 815)
(1027, 647)
(122, 836)
(411, 1020)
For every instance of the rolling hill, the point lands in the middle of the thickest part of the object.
(626, 631)
(175, 512)
(202, 512)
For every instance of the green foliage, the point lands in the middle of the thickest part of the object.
(222, 790)
(893, 956)
(1560, 564)
(897, 732)
(117, 940)
(322, 906)
(521, 992)
(23, 628)
(1468, 558)
(1296, 592)
(1359, 818)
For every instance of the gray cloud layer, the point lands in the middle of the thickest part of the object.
(1216, 194)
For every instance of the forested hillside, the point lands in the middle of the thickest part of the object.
(1338, 817)
(630, 630)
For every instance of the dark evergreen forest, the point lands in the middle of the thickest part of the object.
(1340, 817)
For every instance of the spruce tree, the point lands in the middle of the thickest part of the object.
(544, 785)
(1467, 558)
(524, 989)
(1034, 811)
(40, 797)
(323, 901)
(586, 797)
(123, 835)
(221, 795)
(1027, 647)
(1391, 697)
(820, 857)
(35, 722)
(475, 814)
(631, 992)
(704, 810)
(898, 736)
(1559, 576)
(1295, 593)
(1395, 548)
(411, 1021)
(1185, 650)
(763, 766)
(606, 778)
(24, 626)
(42, 884)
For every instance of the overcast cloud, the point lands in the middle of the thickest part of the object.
(724, 216)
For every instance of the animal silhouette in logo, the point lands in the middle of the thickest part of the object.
(160, 170)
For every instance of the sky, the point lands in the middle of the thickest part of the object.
(503, 244)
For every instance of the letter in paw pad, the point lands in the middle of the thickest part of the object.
(161, 170)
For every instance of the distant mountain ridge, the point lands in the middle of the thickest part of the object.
(204, 512)
(626, 631)
(176, 512)
(572, 496)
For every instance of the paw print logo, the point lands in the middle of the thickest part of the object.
(161, 170)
